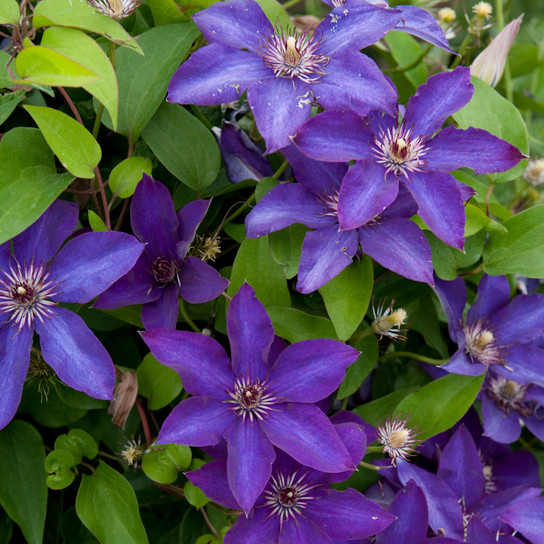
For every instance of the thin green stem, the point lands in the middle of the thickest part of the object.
(462, 49)
(235, 214)
(374, 449)
(186, 316)
(499, 11)
(411, 355)
(98, 120)
(200, 116)
(375, 468)
(280, 170)
(412, 64)
(290, 3)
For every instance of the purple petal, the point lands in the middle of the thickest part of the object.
(189, 219)
(520, 321)
(215, 74)
(475, 148)
(399, 245)
(76, 355)
(249, 463)
(197, 421)
(153, 218)
(525, 365)
(365, 193)
(239, 23)
(493, 294)
(335, 136)
(501, 427)
(255, 528)
(280, 106)
(251, 334)
(325, 253)
(348, 515)
(201, 361)
(284, 205)
(212, 479)
(410, 508)
(353, 436)
(311, 370)
(403, 206)
(355, 82)
(461, 467)
(519, 467)
(444, 510)
(478, 533)
(436, 100)
(199, 282)
(43, 238)
(420, 23)
(88, 264)
(527, 517)
(441, 205)
(163, 312)
(303, 532)
(306, 434)
(535, 423)
(452, 296)
(5, 255)
(461, 363)
(14, 359)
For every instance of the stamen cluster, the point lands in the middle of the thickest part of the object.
(398, 437)
(481, 344)
(250, 398)
(509, 395)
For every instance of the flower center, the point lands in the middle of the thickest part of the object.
(329, 202)
(509, 395)
(292, 55)
(481, 344)
(250, 399)
(398, 437)
(164, 270)
(399, 151)
(24, 294)
(116, 9)
(287, 495)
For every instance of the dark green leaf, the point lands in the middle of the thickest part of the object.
(295, 325)
(158, 383)
(286, 246)
(8, 102)
(377, 410)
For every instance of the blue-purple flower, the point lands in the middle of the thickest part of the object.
(285, 72)
(253, 404)
(390, 237)
(414, 153)
(34, 278)
(164, 271)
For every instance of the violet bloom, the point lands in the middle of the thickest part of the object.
(34, 278)
(164, 270)
(389, 154)
(285, 72)
(297, 504)
(496, 333)
(390, 238)
(251, 404)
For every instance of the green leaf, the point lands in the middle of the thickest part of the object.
(79, 443)
(254, 264)
(440, 404)
(198, 165)
(79, 47)
(96, 223)
(194, 495)
(295, 325)
(377, 410)
(43, 66)
(492, 112)
(8, 102)
(143, 81)
(158, 383)
(9, 12)
(275, 12)
(73, 144)
(58, 463)
(163, 463)
(347, 296)
(405, 50)
(79, 14)
(127, 174)
(28, 180)
(521, 249)
(23, 492)
(286, 247)
(167, 12)
(106, 504)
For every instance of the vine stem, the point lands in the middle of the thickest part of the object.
(145, 424)
(362, 464)
(186, 316)
(413, 64)
(208, 522)
(411, 355)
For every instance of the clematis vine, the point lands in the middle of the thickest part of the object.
(414, 153)
(164, 271)
(285, 72)
(251, 402)
(36, 275)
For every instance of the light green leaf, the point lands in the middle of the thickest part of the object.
(28, 180)
(158, 383)
(79, 443)
(143, 81)
(521, 249)
(167, 12)
(492, 112)
(194, 495)
(440, 404)
(106, 504)
(295, 325)
(79, 47)
(79, 14)
(405, 49)
(71, 142)
(163, 463)
(275, 12)
(23, 492)
(376, 411)
(96, 223)
(286, 247)
(8, 102)
(127, 174)
(9, 12)
(198, 165)
(43, 66)
(347, 296)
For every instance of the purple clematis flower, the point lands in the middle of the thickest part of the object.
(410, 153)
(34, 278)
(285, 72)
(297, 504)
(251, 404)
(164, 270)
(390, 237)
(496, 333)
